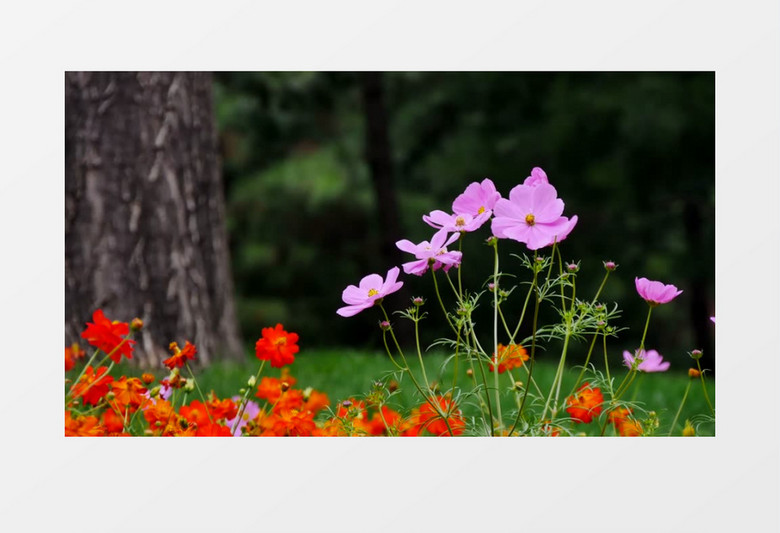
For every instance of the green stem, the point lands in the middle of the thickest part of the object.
(242, 406)
(674, 422)
(202, 397)
(704, 387)
(495, 333)
(587, 360)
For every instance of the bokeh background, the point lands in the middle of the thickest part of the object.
(322, 169)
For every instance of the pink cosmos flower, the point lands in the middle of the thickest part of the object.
(537, 177)
(649, 361)
(431, 253)
(532, 215)
(251, 410)
(455, 222)
(478, 198)
(655, 292)
(371, 289)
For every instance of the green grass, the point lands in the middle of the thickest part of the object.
(349, 373)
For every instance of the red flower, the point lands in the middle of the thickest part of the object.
(510, 357)
(92, 386)
(222, 409)
(277, 346)
(107, 336)
(180, 357)
(72, 354)
(584, 404)
(430, 420)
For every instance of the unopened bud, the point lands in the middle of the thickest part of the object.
(346, 403)
(696, 354)
(251, 381)
(307, 393)
(688, 430)
(492, 240)
(392, 386)
(693, 373)
(572, 267)
(384, 325)
(136, 324)
(518, 385)
(155, 391)
(491, 287)
(189, 385)
(417, 301)
(284, 386)
(609, 266)
(469, 373)
(147, 378)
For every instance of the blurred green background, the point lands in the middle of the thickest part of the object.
(632, 154)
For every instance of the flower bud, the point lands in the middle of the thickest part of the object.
(492, 240)
(392, 386)
(346, 403)
(285, 386)
(688, 430)
(693, 373)
(155, 391)
(470, 373)
(136, 324)
(491, 287)
(696, 354)
(609, 266)
(572, 267)
(417, 301)
(384, 325)
(307, 393)
(189, 385)
(518, 385)
(147, 378)
(251, 381)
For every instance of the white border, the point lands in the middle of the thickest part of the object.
(725, 483)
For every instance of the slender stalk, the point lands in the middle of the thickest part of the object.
(587, 360)
(419, 353)
(704, 387)
(200, 392)
(242, 406)
(535, 290)
(495, 333)
(685, 396)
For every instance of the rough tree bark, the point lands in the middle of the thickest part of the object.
(145, 228)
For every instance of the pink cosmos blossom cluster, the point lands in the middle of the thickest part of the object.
(532, 215)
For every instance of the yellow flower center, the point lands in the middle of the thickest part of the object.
(481, 210)
(529, 219)
(372, 292)
(460, 221)
(280, 340)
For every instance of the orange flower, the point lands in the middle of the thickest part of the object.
(277, 346)
(158, 414)
(195, 413)
(293, 423)
(585, 404)
(72, 354)
(83, 426)
(625, 425)
(179, 357)
(315, 401)
(92, 386)
(128, 393)
(271, 388)
(510, 357)
(147, 378)
(430, 420)
(113, 423)
(385, 423)
(290, 399)
(107, 336)
(222, 409)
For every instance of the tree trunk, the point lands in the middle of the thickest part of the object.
(145, 228)
(380, 162)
